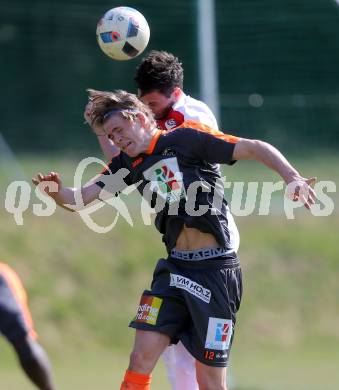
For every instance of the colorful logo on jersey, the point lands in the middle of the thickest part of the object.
(170, 123)
(168, 152)
(148, 310)
(136, 162)
(219, 334)
(166, 179)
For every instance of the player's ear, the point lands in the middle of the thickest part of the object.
(142, 118)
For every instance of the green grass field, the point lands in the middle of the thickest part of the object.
(84, 287)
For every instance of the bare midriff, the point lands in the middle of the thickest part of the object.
(192, 239)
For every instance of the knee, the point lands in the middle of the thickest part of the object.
(141, 361)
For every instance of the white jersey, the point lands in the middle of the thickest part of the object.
(185, 109)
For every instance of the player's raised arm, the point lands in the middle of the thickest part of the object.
(265, 153)
(217, 147)
(66, 197)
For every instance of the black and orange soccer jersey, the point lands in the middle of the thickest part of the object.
(179, 177)
(15, 318)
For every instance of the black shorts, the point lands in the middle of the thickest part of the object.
(15, 319)
(194, 302)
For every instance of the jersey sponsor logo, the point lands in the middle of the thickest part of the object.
(166, 180)
(168, 152)
(170, 123)
(190, 286)
(136, 162)
(173, 119)
(219, 334)
(148, 310)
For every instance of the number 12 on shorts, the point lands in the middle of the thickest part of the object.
(209, 355)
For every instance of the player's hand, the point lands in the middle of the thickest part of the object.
(88, 116)
(51, 177)
(300, 189)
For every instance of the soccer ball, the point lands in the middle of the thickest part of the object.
(123, 33)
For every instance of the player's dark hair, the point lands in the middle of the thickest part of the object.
(159, 71)
(127, 104)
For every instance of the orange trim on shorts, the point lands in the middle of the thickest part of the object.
(207, 129)
(20, 296)
(154, 141)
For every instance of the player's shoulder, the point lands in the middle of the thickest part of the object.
(182, 134)
(183, 140)
(186, 109)
(193, 109)
(193, 131)
(187, 101)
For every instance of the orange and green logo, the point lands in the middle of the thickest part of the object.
(167, 182)
(148, 309)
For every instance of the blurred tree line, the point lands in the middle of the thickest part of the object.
(278, 68)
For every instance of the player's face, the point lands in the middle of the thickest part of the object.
(159, 103)
(130, 136)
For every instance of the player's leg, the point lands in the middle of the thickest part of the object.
(17, 326)
(35, 363)
(211, 378)
(162, 310)
(212, 292)
(180, 367)
(148, 346)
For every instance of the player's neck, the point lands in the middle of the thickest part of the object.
(151, 140)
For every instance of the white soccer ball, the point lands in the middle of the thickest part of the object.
(123, 33)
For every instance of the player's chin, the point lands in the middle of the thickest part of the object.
(131, 153)
(160, 115)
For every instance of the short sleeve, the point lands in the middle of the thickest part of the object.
(219, 148)
(209, 144)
